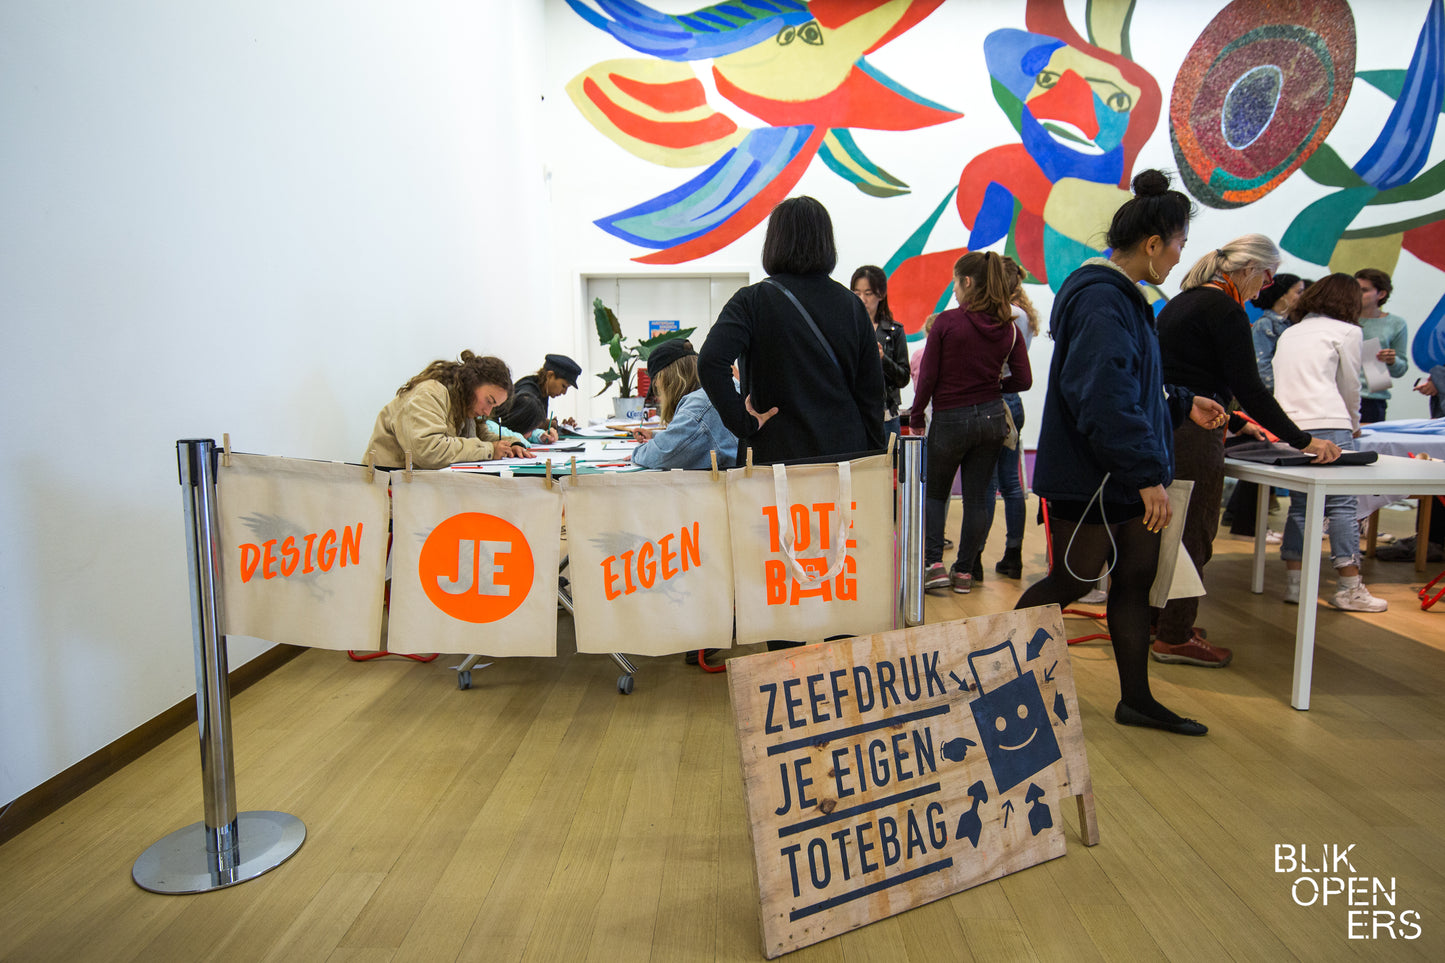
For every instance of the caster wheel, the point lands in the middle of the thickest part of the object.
(464, 680)
(624, 684)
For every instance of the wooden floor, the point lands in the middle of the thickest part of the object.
(542, 816)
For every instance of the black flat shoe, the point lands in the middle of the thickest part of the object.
(1127, 716)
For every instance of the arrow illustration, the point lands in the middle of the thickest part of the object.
(1036, 645)
(1049, 672)
(962, 686)
(1008, 807)
(1060, 708)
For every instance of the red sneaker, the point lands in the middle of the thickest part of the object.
(1194, 650)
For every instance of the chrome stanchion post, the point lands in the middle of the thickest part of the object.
(911, 463)
(226, 847)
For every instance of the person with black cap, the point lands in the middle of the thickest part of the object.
(526, 413)
(693, 426)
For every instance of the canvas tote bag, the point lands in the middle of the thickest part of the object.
(474, 564)
(303, 551)
(1176, 577)
(649, 562)
(813, 549)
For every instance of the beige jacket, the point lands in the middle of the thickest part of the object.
(420, 421)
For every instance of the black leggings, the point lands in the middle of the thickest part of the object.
(1135, 561)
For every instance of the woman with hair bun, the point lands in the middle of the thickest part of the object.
(1105, 448)
(1205, 345)
(962, 373)
(434, 416)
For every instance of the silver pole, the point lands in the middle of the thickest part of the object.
(911, 462)
(226, 847)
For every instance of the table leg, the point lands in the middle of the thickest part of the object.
(1422, 530)
(1261, 529)
(1309, 596)
(1372, 533)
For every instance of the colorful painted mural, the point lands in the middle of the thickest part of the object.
(798, 66)
(1082, 109)
(1256, 99)
(1254, 103)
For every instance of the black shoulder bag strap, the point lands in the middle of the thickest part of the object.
(808, 318)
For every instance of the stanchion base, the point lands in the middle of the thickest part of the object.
(179, 863)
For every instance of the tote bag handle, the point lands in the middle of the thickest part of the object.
(837, 555)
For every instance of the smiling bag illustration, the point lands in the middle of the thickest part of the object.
(1013, 727)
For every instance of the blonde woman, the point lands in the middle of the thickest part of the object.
(1206, 346)
(693, 426)
(434, 416)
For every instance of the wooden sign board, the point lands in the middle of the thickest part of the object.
(886, 771)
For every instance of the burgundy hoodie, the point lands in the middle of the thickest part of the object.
(961, 363)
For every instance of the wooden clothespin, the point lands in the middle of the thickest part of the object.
(748, 472)
(713, 455)
(574, 466)
(408, 464)
(549, 474)
(891, 439)
(226, 450)
(370, 465)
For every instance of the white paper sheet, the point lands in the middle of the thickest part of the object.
(1377, 376)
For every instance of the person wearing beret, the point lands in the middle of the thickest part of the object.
(526, 413)
(693, 428)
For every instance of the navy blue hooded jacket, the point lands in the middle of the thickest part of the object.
(1105, 410)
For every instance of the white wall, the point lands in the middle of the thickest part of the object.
(251, 217)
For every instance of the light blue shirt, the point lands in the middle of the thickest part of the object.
(1393, 333)
(696, 429)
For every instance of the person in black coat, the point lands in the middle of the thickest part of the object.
(1105, 445)
(870, 284)
(808, 390)
(526, 412)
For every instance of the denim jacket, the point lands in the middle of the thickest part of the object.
(1266, 331)
(696, 428)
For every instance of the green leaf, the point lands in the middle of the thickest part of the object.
(606, 321)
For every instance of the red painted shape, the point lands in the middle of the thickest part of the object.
(661, 133)
(1029, 242)
(1072, 100)
(859, 101)
(748, 216)
(673, 97)
(1427, 243)
(914, 287)
(1013, 168)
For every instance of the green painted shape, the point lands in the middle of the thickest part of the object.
(1428, 184)
(918, 240)
(1327, 167)
(1388, 82)
(1394, 227)
(1316, 230)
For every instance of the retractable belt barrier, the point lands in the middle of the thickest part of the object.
(296, 551)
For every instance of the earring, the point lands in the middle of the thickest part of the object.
(1153, 274)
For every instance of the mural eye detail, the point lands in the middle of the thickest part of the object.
(1120, 102)
(786, 35)
(1046, 79)
(811, 33)
(1023, 711)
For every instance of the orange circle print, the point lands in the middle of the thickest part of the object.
(476, 567)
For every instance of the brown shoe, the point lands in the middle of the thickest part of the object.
(1192, 651)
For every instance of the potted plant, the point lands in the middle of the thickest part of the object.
(625, 358)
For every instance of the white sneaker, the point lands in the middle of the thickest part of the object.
(1357, 598)
(1096, 597)
(1271, 537)
(1291, 593)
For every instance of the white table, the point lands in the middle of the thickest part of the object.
(1390, 474)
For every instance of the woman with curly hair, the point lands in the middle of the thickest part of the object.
(434, 416)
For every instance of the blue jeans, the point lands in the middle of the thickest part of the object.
(1008, 483)
(968, 438)
(891, 426)
(1372, 410)
(1340, 521)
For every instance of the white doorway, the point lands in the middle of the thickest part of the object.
(690, 300)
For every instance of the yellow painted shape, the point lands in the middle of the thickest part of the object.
(1352, 254)
(1107, 21)
(1082, 210)
(800, 71)
(648, 72)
